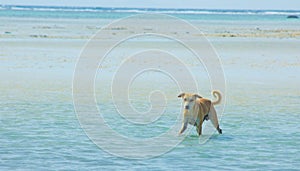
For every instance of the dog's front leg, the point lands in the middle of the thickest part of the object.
(199, 127)
(183, 128)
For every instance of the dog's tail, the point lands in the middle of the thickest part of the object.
(217, 95)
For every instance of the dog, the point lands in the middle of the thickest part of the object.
(197, 109)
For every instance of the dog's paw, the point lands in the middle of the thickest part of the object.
(220, 131)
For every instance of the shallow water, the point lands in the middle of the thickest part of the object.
(256, 135)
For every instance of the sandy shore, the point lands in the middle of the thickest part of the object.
(83, 28)
(42, 53)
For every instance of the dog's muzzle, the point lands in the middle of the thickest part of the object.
(186, 107)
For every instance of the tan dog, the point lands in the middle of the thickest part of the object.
(197, 109)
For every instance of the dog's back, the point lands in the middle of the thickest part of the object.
(204, 107)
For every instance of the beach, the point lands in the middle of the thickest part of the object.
(39, 126)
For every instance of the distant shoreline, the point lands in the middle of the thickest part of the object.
(154, 10)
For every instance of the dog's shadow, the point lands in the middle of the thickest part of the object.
(215, 137)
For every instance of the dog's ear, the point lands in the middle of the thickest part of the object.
(198, 96)
(181, 95)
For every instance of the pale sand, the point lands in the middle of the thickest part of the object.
(38, 56)
(84, 28)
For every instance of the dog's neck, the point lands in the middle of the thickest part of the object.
(191, 111)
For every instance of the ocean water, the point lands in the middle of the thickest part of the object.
(257, 134)
(40, 129)
(113, 13)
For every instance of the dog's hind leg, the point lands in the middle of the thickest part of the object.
(212, 115)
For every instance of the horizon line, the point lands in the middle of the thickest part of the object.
(161, 8)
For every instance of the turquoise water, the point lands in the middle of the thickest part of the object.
(40, 131)
(256, 135)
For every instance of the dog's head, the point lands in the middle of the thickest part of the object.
(188, 99)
